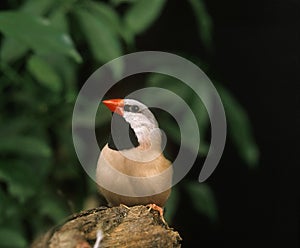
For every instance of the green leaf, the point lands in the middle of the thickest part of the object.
(194, 103)
(14, 126)
(44, 73)
(23, 145)
(22, 179)
(107, 14)
(103, 115)
(103, 41)
(37, 7)
(170, 83)
(110, 17)
(3, 202)
(202, 117)
(52, 206)
(67, 70)
(239, 128)
(12, 50)
(37, 33)
(202, 199)
(11, 212)
(59, 20)
(11, 238)
(118, 2)
(204, 22)
(172, 205)
(142, 14)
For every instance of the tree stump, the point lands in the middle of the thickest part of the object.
(120, 227)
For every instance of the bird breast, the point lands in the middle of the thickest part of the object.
(134, 175)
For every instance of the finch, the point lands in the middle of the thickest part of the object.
(131, 168)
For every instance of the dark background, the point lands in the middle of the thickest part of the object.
(256, 53)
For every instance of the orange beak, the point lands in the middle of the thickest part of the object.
(115, 105)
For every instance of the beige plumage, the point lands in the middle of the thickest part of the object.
(139, 174)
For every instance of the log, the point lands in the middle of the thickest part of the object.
(120, 226)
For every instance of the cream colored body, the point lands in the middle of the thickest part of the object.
(124, 179)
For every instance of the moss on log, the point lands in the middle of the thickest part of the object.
(121, 227)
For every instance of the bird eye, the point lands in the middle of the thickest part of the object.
(127, 108)
(131, 108)
(134, 108)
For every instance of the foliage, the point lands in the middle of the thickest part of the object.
(44, 48)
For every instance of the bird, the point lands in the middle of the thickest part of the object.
(131, 169)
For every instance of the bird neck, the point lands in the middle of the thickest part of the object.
(126, 136)
(149, 137)
(122, 135)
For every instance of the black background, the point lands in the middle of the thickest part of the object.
(256, 55)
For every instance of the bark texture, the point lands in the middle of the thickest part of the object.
(121, 227)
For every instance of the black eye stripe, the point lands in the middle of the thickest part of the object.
(127, 108)
(131, 108)
(135, 108)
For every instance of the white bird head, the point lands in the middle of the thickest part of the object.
(139, 117)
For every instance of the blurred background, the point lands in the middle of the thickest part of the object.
(249, 49)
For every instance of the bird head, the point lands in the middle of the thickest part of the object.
(139, 117)
(134, 112)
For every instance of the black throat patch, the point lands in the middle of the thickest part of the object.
(124, 135)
